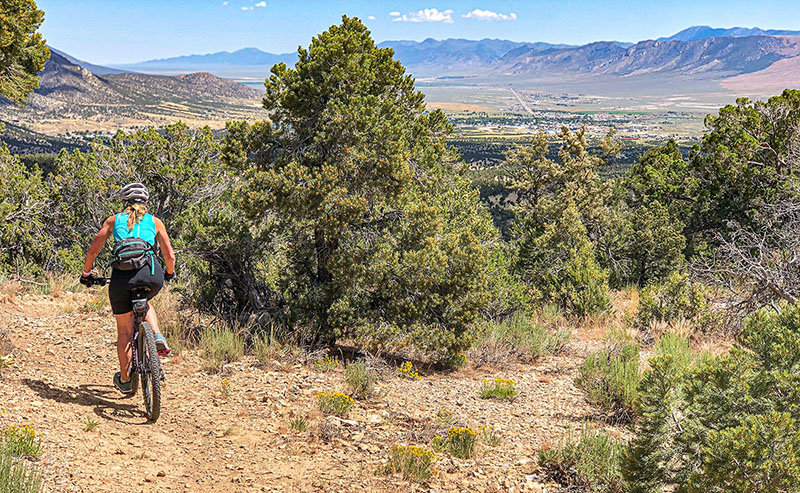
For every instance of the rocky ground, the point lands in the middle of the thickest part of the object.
(235, 436)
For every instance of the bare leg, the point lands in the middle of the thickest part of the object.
(152, 318)
(124, 346)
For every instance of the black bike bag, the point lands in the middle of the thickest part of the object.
(132, 254)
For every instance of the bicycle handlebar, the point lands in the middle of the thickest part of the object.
(98, 281)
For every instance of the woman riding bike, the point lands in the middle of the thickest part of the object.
(135, 265)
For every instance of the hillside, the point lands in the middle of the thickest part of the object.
(73, 99)
(95, 69)
(231, 431)
(20, 140)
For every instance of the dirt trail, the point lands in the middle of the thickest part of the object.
(205, 441)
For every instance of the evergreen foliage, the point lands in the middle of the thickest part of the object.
(723, 423)
(24, 204)
(386, 241)
(561, 211)
(23, 51)
(677, 298)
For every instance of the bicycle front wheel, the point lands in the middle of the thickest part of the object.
(151, 373)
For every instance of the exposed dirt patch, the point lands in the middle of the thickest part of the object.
(205, 441)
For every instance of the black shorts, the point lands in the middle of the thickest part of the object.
(124, 282)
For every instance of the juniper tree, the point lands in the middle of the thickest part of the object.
(23, 52)
(560, 214)
(383, 235)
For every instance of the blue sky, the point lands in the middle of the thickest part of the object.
(122, 31)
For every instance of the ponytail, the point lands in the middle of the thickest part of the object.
(135, 214)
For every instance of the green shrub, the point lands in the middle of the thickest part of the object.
(16, 475)
(676, 347)
(723, 423)
(459, 442)
(762, 453)
(651, 245)
(560, 262)
(454, 361)
(590, 463)
(610, 379)
(407, 371)
(498, 388)
(220, 345)
(26, 241)
(517, 338)
(490, 436)
(22, 441)
(334, 403)
(361, 379)
(675, 299)
(414, 463)
(509, 294)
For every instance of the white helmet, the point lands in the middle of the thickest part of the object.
(134, 192)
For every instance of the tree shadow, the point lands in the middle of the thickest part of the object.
(107, 403)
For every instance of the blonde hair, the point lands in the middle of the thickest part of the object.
(135, 214)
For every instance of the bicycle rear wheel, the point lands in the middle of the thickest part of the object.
(151, 372)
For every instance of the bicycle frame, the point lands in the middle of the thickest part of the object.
(147, 373)
(139, 313)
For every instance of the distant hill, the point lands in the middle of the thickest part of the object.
(64, 82)
(95, 69)
(72, 99)
(247, 61)
(702, 32)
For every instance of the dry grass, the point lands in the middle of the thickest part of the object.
(180, 325)
(220, 345)
(9, 290)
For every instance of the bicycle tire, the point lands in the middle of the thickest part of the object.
(151, 376)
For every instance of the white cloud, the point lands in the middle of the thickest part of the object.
(488, 15)
(247, 8)
(260, 4)
(224, 3)
(371, 17)
(425, 15)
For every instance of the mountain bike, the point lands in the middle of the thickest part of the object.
(145, 364)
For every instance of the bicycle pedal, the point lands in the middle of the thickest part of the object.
(164, 352)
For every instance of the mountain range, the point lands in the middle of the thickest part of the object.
(697, 52)
(702, 32)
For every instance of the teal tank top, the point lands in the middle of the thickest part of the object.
(144, 229)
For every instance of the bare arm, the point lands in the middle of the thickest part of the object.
(97, 245)
(166, 246)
